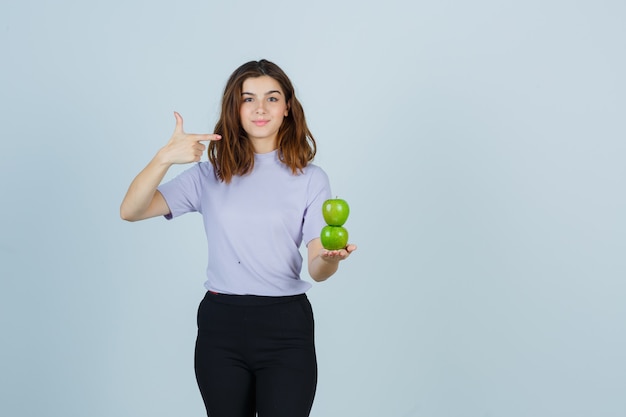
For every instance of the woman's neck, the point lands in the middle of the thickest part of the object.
(264, 145)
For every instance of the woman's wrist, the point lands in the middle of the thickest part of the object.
(162, 158)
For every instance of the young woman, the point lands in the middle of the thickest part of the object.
(260, 198)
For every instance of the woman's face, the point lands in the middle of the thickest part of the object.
(262, 111)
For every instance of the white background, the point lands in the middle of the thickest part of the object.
(481, 146)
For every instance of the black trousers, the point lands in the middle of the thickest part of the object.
(256, 355)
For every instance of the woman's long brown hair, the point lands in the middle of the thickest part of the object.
(234, 154)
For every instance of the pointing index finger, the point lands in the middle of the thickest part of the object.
(200, 137)
(204, 137)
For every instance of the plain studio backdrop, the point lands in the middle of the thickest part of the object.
(481, 146)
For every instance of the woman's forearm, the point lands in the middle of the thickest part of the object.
(321, 269)
(139, 202)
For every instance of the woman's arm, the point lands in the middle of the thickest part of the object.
(324, 263)
(142, 199)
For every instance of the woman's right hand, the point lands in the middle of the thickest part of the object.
(182, 147)
(142, 199)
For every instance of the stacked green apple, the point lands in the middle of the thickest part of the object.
(334, 236)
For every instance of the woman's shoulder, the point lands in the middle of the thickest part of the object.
(314, 169)
(205, 168)
(198, 172)
(315, 174)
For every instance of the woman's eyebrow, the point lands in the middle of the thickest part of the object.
(267, 94)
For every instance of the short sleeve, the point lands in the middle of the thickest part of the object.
(318, 192)
(183, 192)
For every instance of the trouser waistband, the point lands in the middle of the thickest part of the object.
(252, 300)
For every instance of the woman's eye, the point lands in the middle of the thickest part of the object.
(247, 100)
(274, 99)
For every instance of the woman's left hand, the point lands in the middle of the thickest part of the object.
(323, 262)
(337, 255)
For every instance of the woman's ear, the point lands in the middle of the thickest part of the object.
(288, 107)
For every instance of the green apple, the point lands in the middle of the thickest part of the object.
(334, 237)
(335, 211)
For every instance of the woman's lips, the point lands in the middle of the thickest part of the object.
(261, 122)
